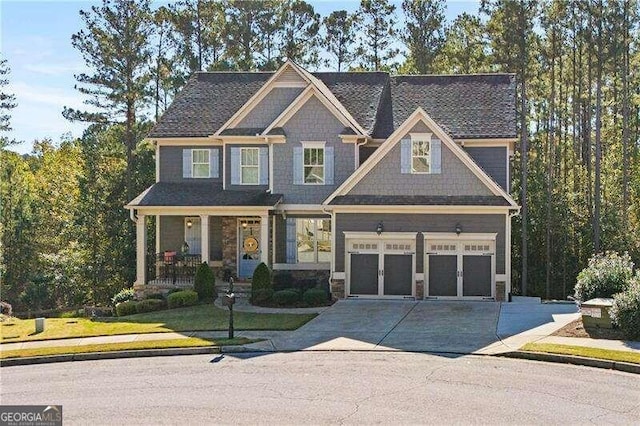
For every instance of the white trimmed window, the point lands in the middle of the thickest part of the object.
(308, 240)
(421, 154)
(313, 163)
(200, 163)
(249, 166)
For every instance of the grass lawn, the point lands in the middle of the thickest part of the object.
(190, 342)
(610, 355)
(194, 318)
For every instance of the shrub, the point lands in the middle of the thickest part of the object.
(287, 297)
(149, 305)
(261, 295)
(205, 283)
(158, 296)
(261, 277)
(182, 298)
(128, 307)
(625, 312)
(606, 275)
(122, 296)
(315, 297)
(6, 309)
(282, 280)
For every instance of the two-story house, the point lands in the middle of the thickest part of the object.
(385, 186)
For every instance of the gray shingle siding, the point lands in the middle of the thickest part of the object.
(171, 164)
(270, 107)
(493, 160)
(313, 122)
(386, 177)
(367, 222)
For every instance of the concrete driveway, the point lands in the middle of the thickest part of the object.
(423, 326)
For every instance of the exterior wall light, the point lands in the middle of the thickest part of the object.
(379, 228)
(189, 223)
(458, 229)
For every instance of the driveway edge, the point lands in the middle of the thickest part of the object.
(626, 367)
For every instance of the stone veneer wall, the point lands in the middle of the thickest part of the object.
(419, 290)
(230, 242)
(500, 289)
(337, 289)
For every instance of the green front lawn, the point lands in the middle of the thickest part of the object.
(190, 342)
(195, 318)
(611, 355)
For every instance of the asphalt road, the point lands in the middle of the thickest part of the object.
(326, 387)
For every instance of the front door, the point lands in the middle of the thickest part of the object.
(381, 267)
(460, 268)
(249, 247)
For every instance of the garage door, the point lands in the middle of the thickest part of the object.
(381, 266)
(460, 268)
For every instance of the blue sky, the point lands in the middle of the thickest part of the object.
(35, 38)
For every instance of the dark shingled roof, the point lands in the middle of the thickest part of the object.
(465, 106)
(202, 195)
(206, 102)
(419, 200)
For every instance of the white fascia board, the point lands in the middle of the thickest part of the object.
(419, 209)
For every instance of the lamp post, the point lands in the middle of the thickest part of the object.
(228, 300)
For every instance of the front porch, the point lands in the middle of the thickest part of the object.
(236, 244)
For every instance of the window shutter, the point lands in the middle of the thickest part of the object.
(436, 156)
(405, 156)
(292, 247)
(328, 165)
(235, 166)
(186, 163)
(264, 166)
(298, 174)
(214, 163)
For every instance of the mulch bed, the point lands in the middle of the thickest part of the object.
(577, 329)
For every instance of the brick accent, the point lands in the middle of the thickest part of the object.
(337, 289)
(230, 242)
(500, 289)
(419, 290)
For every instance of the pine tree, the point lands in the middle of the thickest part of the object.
(7, 103)
(340, 27)
(375, 48)
(300, 26)
(424, 32)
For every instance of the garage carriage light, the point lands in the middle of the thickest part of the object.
(379, 228)
(458, 229)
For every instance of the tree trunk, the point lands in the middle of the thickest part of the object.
(598, 153)
(524, 149)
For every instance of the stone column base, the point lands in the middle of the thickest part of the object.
(500, 289)
(337, 289)
(419, 290)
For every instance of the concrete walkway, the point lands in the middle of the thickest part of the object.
(395, 325)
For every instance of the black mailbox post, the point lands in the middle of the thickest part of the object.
(228, 300)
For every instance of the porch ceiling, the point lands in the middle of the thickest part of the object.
(162, 194)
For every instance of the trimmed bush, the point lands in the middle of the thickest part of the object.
(625, 312)
(122, 296)
(261, 277)
(182, 298)
(149, 305)
(205, 283)
(261, 295)
(606, 275)
(287, 297)
(126, 308)
(315, 297)
(158, 296)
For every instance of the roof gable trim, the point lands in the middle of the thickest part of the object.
(418, 115)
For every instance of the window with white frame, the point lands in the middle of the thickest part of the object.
(313, 163)
(249, 166)
(200, 163)
(313, 240)
(421, 154)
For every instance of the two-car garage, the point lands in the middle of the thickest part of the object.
(383, 265)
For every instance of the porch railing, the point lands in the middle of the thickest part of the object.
(172, 267)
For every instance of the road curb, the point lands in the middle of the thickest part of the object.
(627, 367)
(92, 356)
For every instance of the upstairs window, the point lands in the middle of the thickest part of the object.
(314, 165)
(420, 156)
(200, 163)
(249, 166)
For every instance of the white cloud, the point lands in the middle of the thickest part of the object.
(27, 94)
(55, 69)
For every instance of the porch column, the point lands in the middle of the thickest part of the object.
(141, 250)
(264, 236)
(204, 237)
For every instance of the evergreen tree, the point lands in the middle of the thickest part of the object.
(341, 28)
(466, 47)
(375, 47)
(424, 32)
(7, 103)
(300, 26)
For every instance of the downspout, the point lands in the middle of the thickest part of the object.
(357, 157)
